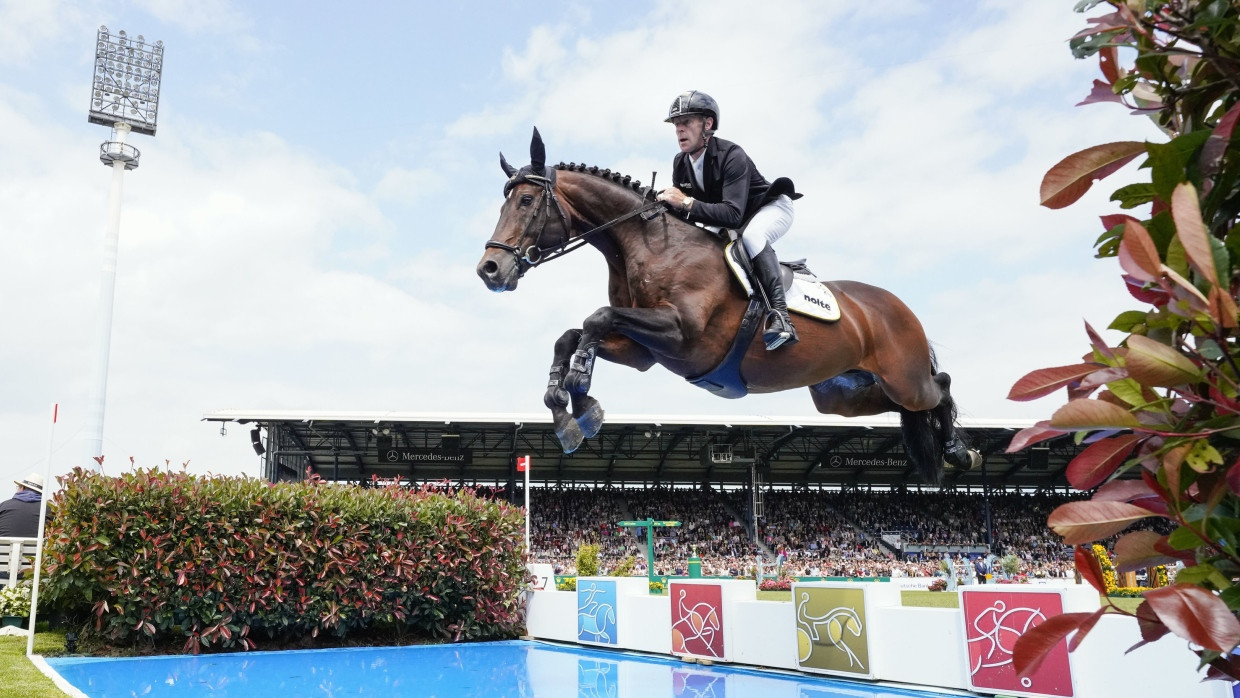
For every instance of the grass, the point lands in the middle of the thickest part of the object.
(21, 678)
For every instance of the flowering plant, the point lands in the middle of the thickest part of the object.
(783, 584)
(938, 584)
(15, 600)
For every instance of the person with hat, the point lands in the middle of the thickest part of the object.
(19, 516)
(715, 183)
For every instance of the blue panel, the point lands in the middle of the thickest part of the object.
(596, 611)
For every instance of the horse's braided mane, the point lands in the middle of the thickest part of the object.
(622, 180)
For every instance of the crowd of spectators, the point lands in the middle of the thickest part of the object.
(808, 533)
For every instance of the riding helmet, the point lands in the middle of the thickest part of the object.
(693, 102)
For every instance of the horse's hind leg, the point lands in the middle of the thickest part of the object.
(557, 398)
(956, 449)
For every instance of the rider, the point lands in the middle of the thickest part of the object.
(715, 183)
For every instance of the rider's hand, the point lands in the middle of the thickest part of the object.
(673, 196)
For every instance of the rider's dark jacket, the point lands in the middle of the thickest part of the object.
(734, 189)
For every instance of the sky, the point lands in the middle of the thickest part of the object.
(302, 232)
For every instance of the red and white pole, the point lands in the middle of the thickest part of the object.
(523, 464)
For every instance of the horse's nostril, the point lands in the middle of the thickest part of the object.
(489, 268)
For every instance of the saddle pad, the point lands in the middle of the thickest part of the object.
(806, 295)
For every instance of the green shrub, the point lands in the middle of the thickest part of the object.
(568, 584)
(625, 567)
(223, 561)
(587, 560)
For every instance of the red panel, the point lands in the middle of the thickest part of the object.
(697, 619)
(993, 622)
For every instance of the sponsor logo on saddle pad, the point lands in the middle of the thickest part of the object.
(807, 296)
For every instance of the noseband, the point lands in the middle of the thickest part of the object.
(534, 254)
(528, 257)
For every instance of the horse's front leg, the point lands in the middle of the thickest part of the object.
(646, 330)
(617, 349)
(557, 398)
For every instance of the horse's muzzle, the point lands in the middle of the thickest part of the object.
(499, 273)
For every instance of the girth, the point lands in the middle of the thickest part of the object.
(725, 380)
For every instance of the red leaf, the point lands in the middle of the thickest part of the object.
(1089, 567)
(1071, 177)
(1095, 464)
(1084, 629)
(1154, 296)
(1096, 341)
(1191, 230)
(1123, 491)
(1031, 435)
(1102, 92)
(1032, 648)
(1216, 144)
(1085, 522)
(1196, 615)
(1045, 381)
(1138, 550)
(1106, 62)
(1093, 414)
(1233, 477)
(1151, 628)
(1138, 256)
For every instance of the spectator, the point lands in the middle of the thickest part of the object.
(19, 516)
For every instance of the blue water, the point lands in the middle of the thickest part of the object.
(511, 669)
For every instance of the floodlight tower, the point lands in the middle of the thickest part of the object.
(125, 96)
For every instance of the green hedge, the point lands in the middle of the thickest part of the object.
(228, 561)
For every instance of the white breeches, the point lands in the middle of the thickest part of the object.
(768, 225)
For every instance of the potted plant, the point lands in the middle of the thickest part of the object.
(15, 604)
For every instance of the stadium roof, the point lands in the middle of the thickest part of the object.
(481, 448)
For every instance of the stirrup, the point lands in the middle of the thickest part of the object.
(781, 332)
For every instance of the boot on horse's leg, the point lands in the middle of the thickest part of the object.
(779, 330)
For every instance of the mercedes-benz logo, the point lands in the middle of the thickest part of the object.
(393, 456)
(836, 461)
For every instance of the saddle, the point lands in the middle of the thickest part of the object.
(805, 293)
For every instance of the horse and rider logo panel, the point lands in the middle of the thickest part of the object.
(832, 630)
(993, 622)
(697, 620)
(596, 612)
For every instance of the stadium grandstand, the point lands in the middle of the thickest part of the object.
(820, 496)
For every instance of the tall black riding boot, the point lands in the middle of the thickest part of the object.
(779, 330)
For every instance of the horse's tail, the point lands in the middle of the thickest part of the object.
(927, 433)
(923, 443)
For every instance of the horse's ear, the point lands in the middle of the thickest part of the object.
(508, 169)
(538, 152)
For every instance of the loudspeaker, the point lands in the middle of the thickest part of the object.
(256, 440)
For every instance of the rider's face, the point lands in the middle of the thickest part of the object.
(690, 133)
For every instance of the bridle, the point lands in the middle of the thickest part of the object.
(528, 257)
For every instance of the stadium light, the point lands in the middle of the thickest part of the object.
(125, 96)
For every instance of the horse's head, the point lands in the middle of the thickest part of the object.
(530, 221)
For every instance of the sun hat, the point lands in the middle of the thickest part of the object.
(33, 481)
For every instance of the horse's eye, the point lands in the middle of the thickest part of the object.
(527, 199)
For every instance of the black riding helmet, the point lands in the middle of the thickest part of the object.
(692, 103)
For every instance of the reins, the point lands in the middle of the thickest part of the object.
(535, 255)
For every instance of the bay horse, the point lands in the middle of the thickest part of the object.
(673, 302)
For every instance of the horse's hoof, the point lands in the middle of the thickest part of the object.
(591, 421)
(970, 460)
(975, 459)
(570, 436)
